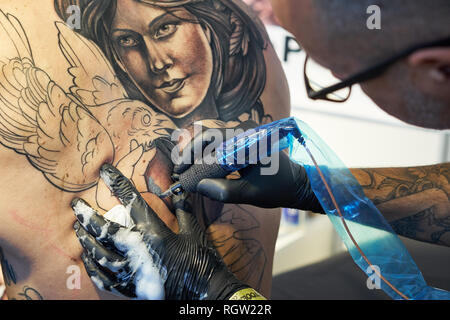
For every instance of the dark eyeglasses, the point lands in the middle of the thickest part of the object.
(330, 93)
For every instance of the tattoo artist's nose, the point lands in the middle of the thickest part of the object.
(158, 59)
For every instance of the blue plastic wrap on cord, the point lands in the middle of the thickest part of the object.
(370, 240)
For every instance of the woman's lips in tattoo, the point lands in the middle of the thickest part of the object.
(173, 86)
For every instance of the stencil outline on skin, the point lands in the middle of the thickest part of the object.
(80, 129)
(132, 144)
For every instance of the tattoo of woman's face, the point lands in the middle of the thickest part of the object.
(166, 53)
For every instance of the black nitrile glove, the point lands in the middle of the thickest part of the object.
(289, 187)
(149, 261)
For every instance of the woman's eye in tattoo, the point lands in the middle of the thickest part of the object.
(128, 41)
(166, 30)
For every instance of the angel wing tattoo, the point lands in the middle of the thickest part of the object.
(76, 131)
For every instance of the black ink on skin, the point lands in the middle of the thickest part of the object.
(8, 272)
(420, 224)
(234, 95)
(94, 117)
(29, 293)
(429, 225)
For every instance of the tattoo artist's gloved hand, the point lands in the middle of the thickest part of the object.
(149, 261)
(289, 187)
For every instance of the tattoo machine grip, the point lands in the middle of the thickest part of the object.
(189, 179)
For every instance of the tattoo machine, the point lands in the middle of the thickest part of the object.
(233, 155)
(370, 240)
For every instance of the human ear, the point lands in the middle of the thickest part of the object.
(430, 69)
(282, 11)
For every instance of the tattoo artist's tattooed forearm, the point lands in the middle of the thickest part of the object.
(9, 275)
(416, 201)
(424, 226)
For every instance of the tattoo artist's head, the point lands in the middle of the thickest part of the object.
(334, 33)
(179, 55)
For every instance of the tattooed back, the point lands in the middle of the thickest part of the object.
(67, 107)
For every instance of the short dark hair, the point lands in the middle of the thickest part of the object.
(404, 23)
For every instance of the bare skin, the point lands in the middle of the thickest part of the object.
(36, 227)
